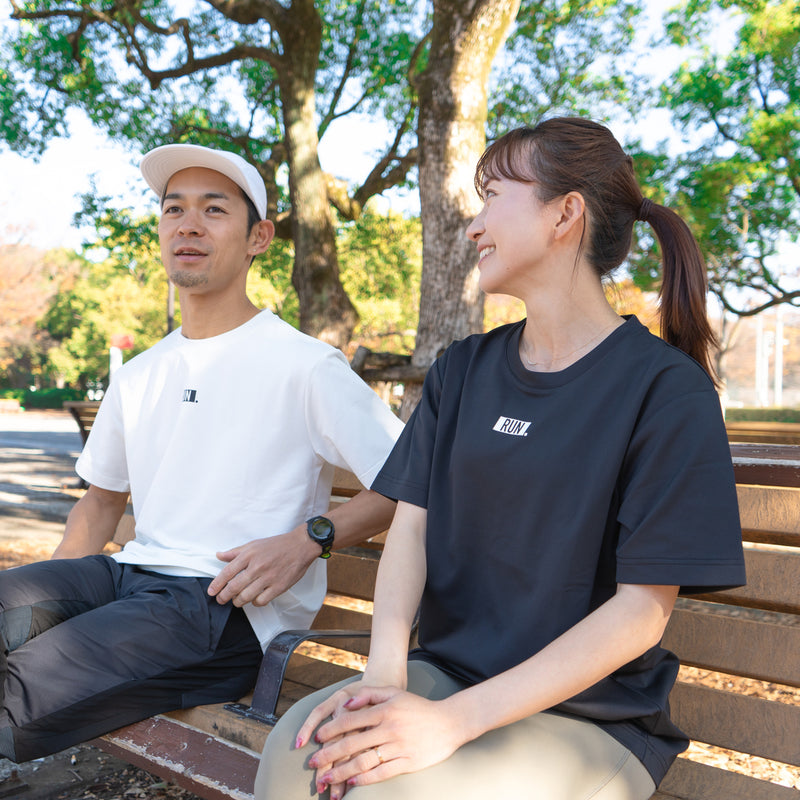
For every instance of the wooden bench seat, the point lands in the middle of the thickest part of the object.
(752, 633)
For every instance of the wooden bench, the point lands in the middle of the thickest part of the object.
(764, 432)
(752, 632)
(83, 412)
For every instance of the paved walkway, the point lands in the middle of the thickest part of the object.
(38, 484)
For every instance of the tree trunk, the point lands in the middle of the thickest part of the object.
(325, 309)
(452, 134)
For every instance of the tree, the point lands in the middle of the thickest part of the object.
(452, 88)
(739, 185)
(263, 78)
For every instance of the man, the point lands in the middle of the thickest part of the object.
(225, 436)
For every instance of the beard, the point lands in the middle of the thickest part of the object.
(186, 279)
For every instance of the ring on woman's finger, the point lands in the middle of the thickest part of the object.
(378, 753)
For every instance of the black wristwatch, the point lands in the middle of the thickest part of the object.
(321, 530)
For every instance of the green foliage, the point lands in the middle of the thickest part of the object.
(762, 414)
(739, 183)
(381, 259)
(43, 398)
(122, 290)
(565, 57)
(269, 282)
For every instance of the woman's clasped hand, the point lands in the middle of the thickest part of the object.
(375, 733)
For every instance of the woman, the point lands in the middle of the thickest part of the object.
(561, 480)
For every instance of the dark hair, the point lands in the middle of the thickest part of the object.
(253, 217)
(570, 154)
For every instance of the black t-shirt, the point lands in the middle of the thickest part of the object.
(545, 490)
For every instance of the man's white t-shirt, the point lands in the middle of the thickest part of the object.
(233, 438)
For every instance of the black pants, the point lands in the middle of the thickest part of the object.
(88, 645)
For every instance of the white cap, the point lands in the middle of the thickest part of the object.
(160, 164)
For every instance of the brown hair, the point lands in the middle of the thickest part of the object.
(570, 154)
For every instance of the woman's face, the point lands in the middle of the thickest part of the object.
(513, 233)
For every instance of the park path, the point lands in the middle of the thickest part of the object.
(38, 484)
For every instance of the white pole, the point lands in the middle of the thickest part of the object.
(759, 370)
(114, 360)
(779, 358)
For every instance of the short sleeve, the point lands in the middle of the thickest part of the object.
(678, 512)
(103, 461)
(349, 425)
(406, 474)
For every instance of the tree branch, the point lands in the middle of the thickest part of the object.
(330, 114)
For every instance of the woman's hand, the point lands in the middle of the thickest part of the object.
(384, 732)
(336, 705)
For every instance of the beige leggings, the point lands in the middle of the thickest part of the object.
(542, 757)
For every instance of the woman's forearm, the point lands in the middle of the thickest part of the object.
(401, 578)
(620, 630)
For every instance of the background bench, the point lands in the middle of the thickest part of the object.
(764, 432)
(83, 412)
(752, 632)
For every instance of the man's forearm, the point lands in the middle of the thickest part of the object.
(365, 515)
(91, 523)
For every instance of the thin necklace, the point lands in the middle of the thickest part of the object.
(524, 349)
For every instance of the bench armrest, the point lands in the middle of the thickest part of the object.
(273, 669)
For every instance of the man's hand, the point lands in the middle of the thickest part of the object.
(257, 572)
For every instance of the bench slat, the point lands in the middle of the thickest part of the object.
(766, 465)
(313, 674)
(187, 757)
(737, 722)
(689, 780)
(352, 572)
(753, 649)
(773, 583)
(770, 514)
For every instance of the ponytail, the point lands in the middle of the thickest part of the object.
(684, 286)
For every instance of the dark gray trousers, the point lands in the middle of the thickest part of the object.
(89, 645)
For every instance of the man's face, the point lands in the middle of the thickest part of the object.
(205, 244)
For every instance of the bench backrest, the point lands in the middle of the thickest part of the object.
(740, 639)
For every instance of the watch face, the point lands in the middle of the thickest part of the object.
(321, 528)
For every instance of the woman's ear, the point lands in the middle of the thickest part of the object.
(572, 209)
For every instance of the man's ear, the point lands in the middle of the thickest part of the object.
(260, 237)
(572, 209)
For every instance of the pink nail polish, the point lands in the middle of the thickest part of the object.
(347, 704)
(298, 743)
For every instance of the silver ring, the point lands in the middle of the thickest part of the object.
(378, 753)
